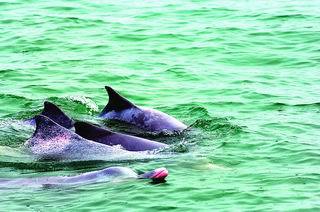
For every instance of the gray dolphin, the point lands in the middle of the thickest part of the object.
(52, 141)
(104, 136)
(107, 174)
(151, 120)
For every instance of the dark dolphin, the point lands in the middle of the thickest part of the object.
(151, 120)
(104, 136)
(54, 113)
(52, 141)
(107, 174)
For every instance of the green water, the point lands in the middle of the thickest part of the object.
(244, 74)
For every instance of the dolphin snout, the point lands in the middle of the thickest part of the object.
(159, 174)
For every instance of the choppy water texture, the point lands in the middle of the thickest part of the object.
(244, 74)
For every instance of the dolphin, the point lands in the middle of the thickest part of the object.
(53, 112)
(151, 120)
(107, 174)
(104, 136)
(52, 141)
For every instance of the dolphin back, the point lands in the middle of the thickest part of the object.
(52, 141)
(104, 136)
(90, 131)
(148, 119)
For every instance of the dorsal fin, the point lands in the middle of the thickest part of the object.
(116, 102)
(90, 131)
(46, 128)
(53, 112)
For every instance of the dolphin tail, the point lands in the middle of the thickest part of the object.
(116, 102)
(157, 175)
(53, 112)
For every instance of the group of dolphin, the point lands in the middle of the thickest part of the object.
(58, 137)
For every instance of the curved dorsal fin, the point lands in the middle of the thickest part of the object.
(53, 112)
(90, 131)
(116, 102)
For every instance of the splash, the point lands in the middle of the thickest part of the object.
(87, 102)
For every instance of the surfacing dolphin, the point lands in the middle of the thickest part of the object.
(52, 141)
(104, 136)
(107, 174)
(53, 112)
(151, 120)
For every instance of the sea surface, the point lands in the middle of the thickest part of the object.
(243, 74)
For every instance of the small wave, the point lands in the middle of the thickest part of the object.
(178, 147)
(282, 106)
(132, 37)
(190, 111)
(80, 104)
(91, 105)
(200, 118)
(61, 8)
(181, 73)
(12, 96)
(14, 132)
(313, 104)
(219, 126)
(287, 17)
(199, 111)
(6, 70)
(6, 151)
